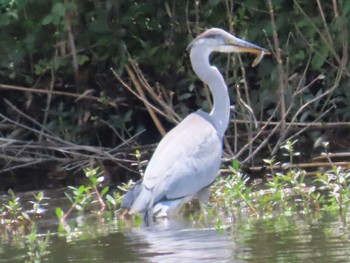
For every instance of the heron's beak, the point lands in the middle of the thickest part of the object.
(240, 45)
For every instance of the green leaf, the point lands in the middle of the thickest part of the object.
(39, 196)
(235, 164)
(79, 207)
(72, 188)
(104, 191)
(81, 189)
(93, 180)
(25, 216)
(47, 20)
(111, 200)
(59, 9)
(59, 212)
(346, 8)
(82, 59)
(317, 62)
(71, 6)
(300, 55)
(69, 198)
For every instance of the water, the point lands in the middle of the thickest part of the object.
(106, 238)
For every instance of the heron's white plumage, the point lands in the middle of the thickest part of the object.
(177, 170)
(181, 165)
(188, 158)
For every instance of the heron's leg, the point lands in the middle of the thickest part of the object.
(168, 208)
(147, 218)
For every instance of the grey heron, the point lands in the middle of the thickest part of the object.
(187, 159)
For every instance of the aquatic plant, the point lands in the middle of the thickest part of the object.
(37, 245)
(336, 184)
(84, 196)
(12, 212)
(38, 203)
(288, 192)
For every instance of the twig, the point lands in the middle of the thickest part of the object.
(331, 155)
(142, 95)
(247, 108)
(269, 136)
(137, 95)
(281, 81)
(72, 46)
(100, 199)
(335, 8)
(48, 103)
(48, 91)
(297, 134)
(141, 77)
(289, 166)
(40, 133)
(328, 34)
(319, 125)
(26, 164)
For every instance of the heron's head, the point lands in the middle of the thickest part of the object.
(216, 39)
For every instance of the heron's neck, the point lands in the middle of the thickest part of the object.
(210, 75)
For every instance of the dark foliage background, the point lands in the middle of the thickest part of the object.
(71, 46)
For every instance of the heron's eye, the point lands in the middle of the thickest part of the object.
(230, 41)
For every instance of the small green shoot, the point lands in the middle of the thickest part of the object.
(37, 246)
(38, 203)
(12, 212)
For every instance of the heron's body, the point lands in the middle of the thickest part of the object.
(187, 159)
(189, 170)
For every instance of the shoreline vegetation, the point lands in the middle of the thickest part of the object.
(287, 194)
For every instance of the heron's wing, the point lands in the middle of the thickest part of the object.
(186, 160)
(131, 195)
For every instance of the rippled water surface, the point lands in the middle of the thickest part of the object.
(281, 238)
